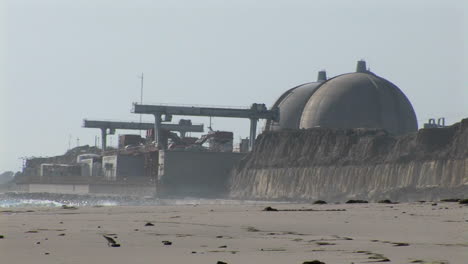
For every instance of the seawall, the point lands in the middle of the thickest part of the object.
(369, 164)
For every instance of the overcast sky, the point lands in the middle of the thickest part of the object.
(65, 60)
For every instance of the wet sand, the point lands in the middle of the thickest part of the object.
(356, 233)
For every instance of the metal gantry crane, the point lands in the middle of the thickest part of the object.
(254, 113)
(109, 127)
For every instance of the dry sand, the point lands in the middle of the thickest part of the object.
(363, 233)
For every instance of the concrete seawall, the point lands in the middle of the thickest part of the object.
(363, 164)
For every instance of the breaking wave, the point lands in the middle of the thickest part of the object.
(9, 200)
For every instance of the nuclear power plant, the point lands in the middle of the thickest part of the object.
(318, 138)
(354, 100)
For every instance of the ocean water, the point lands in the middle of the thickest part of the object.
(8, 203)
(13, 200)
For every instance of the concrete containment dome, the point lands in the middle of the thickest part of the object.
(291, 104)
(359, 100)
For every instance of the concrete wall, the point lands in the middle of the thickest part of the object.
(113, 189)
(121, 166)
(124, 190)
(59, 188)
(367, 164)
(187, 173)
(427, 180)
(130, 166)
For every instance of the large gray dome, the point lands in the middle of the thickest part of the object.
(359, 100)
(291, 104)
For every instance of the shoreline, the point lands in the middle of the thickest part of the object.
(237, 233)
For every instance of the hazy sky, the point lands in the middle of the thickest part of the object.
(65, 60)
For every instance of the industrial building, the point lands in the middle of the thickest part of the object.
(167, 163)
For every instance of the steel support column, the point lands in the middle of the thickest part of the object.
(104, 138)
(157, 129)
(253, 132)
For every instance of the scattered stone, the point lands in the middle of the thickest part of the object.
(37, 243)
(111, 242)
(313, 262)
(69, 207)
(252, 229)
(136, 229)
(219, 236)
(60, 222)
(451, 200)
(383, 260)
(400, 244)
(386, 201)
(307, 210)
(320, 202)
(270, 209)
(98, 226)
(224, 246)
(325, 244)
(379, 257)
(149, 224)
(62, 234)
(273, 249)
(47, 253)
(167, 243)
(356, 201)
(194, 252)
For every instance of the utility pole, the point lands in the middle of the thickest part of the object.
(141, 94)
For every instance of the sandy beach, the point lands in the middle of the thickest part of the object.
(243, 233)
